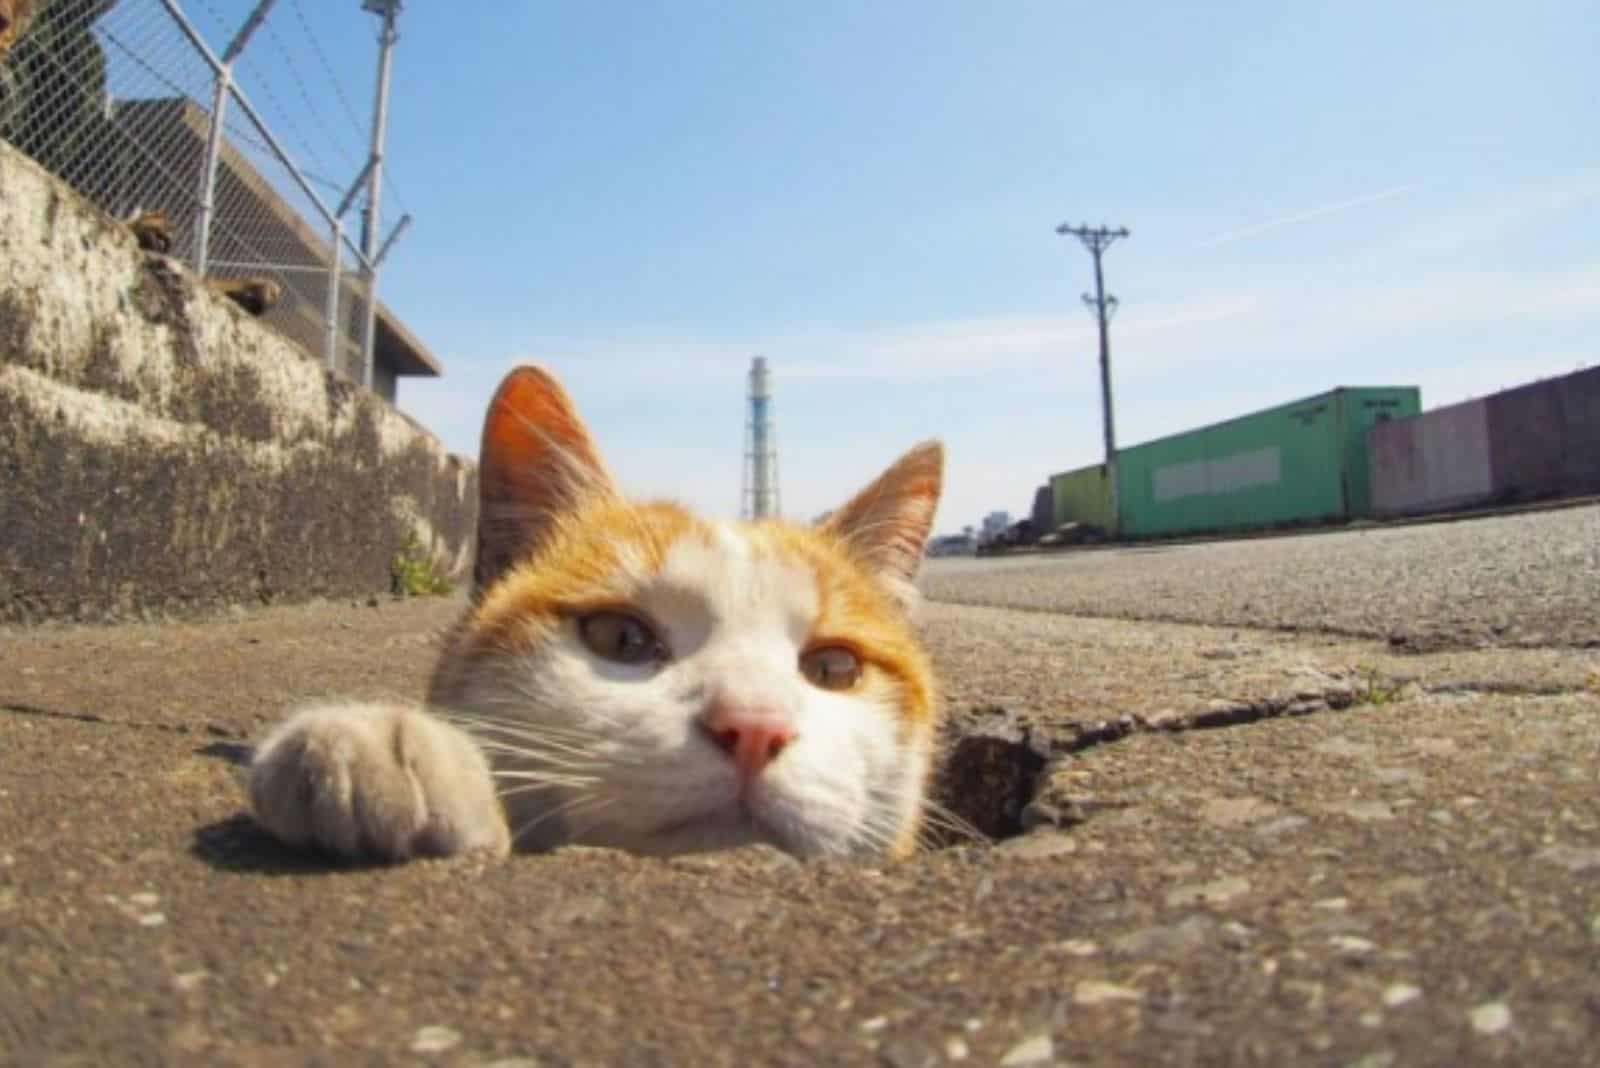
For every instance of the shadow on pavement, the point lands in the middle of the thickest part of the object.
(238, 844)
(21, 708)
(236, 753)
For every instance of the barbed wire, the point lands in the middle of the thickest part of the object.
(327, 68)
(340, 144)
(123, 115)
(140, 62)
(356, 123)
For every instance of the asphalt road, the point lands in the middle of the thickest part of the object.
(1375, 857)
(1529, 579)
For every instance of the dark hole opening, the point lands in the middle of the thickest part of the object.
(988, 774)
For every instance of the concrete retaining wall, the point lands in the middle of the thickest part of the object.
(1433, 462)
(163, 453)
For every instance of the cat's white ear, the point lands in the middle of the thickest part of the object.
(886, 525)
(537, 462)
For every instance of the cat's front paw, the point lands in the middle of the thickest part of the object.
(376, 781)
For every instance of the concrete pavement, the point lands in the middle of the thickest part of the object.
(1377, 856)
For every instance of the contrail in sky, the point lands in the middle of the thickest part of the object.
(1230, 236)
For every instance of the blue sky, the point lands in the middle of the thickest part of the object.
(644, 195)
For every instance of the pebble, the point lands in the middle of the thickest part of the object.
(1079, 947)
(907, 1054)
(1170, 940)
(144, 900)
(1382, 1059)
(956, 1049)
(187, 981)
(1397, 994)
(1572, 858)
(1281, 825)
(1363, 811)
(152, 919)
(1218, 892)
(1491, 1018)
(1351, 945)
(1333, 904)
(435, 1039)
(874, 1025)
(1036, 1050)
(1039, 844)
(1236, 811)
(1343, 747)
(1099, 992)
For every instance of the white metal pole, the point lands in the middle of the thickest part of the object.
(390, 10)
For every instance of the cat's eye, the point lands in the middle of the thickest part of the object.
(620, 637)
(831, 667)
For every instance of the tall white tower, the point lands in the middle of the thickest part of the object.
(760, 496)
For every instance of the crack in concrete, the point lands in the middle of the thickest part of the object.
(995, 760)
(23, 709)
(1402, 643)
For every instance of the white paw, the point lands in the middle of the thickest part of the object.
(375, 781)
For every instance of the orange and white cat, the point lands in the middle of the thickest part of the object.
(635, 676)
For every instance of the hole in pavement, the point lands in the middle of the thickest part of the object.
(990, 768)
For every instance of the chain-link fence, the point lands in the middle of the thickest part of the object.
(150, 108)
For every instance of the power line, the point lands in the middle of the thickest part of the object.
(1097, 240)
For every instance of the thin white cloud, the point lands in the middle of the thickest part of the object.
(1227, 237)
(908, 353)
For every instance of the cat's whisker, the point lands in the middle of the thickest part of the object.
(937, 817)
(529, 774)
(520, 720)
(523, 729)
(876, 836)
(568, 807)
(566, 782)
(524, 707)
(538, 759)
(534, 787)
(599, 805)
(531, 743)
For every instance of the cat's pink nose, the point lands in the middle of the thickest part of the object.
(753, 738)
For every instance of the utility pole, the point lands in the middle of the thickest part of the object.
(1097, 240)
(389, 10)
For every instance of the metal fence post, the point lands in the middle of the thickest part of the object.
(223, 76)
(222, 70)
(333, 294)
(390, 10)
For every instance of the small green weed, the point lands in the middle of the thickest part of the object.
(1376, 689)
(412, 572)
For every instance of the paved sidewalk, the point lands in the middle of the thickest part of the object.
(1383, 859)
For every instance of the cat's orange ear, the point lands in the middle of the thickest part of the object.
(536, 463)
(886, 525)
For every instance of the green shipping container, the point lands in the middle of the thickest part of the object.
(1299, 463)
(1082, 496)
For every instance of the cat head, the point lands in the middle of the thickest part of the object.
(649, 679)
